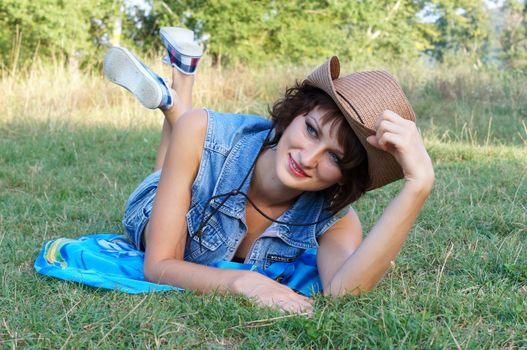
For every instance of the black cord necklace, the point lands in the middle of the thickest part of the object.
(204, 221)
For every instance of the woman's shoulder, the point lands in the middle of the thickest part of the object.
(192, 124)
(238, 120)
(219, 130)
(194, 120)
(226, 129)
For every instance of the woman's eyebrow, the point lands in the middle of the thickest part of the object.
(314, 121)
(319, 130)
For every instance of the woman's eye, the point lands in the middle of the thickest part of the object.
(334, 157)
(311, 130)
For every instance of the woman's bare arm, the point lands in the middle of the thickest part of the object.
(365, 265)
(166, 232)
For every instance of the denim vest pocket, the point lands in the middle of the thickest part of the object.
(210, 241)
(281, 252)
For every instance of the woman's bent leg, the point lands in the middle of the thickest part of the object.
(163, 145)
(181, 88)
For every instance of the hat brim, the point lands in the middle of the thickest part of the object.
(383, 168)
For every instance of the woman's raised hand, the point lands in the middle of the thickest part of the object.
(400, 138)
(267, 292)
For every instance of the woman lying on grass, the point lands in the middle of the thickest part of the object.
(230, 187)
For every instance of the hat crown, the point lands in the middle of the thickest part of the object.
(366, 95)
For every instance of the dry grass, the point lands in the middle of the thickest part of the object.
(458, 104)
(61, 94)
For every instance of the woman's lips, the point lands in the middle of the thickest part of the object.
(295, 168)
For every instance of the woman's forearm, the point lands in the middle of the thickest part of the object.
(204, 279)
(193, 276)
(366, 266)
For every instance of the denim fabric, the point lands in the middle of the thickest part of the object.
(139, 208)
(232, 143)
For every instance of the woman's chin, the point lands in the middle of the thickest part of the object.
(295, 182)
(289, 180)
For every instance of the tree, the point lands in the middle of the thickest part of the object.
(513, 38)
(73, 30)
(260, 31)
(296, 31)
(461, 27)
(386, 30)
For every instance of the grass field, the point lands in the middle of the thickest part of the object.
(72, 147)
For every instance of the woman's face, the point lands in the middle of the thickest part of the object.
(308, 153)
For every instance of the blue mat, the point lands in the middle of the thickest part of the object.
(110, 261)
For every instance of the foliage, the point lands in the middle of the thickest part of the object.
(381, 29)
(297, 31)
(51, 28)
(461, 26)
(514, 37)
(256, 32)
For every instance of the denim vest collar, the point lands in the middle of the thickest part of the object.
(308, 207)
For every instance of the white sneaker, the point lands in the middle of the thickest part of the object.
(125, 69)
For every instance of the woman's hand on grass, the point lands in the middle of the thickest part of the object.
(267, 292)
(401, 138)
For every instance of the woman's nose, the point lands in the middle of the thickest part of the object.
(310, 156)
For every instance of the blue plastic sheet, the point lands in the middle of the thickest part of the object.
(110, 261)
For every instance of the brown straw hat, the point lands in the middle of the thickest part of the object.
(362, 97)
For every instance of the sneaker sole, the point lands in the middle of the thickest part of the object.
(185, 48)
(121, 67)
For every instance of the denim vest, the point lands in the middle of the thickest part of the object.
(232, 144)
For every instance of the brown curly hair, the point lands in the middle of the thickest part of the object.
(302, 98)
